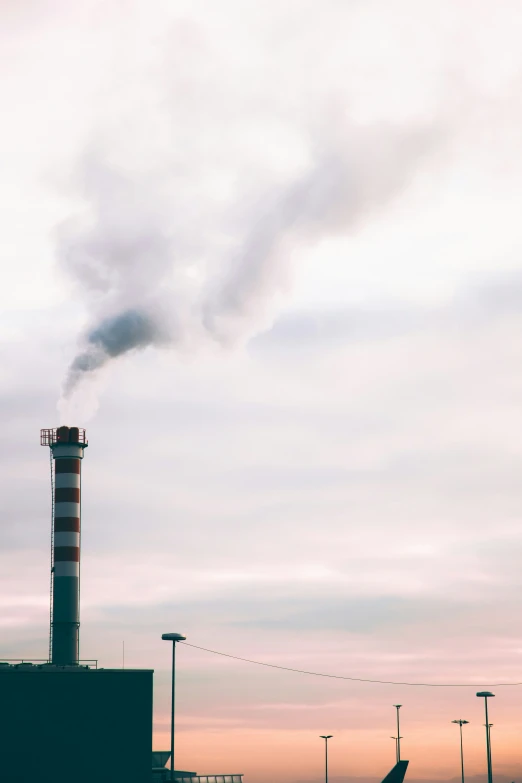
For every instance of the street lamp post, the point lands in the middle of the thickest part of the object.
(487, 695)
(461, 724)
(488, 729)
(326, 737)
(172, 637)
(397, 707)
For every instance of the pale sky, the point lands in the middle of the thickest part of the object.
(316, 464)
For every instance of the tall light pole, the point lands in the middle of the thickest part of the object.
(487, 695)
(488, 729)
(172, 637)
(397, 707)
(461, 724)
(326, 737)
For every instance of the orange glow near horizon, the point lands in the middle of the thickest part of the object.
(295, 755)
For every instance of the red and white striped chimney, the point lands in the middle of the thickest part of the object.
(67, 445)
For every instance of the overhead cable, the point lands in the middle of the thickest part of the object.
(358, 679)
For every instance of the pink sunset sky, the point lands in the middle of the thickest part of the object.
(307, 450)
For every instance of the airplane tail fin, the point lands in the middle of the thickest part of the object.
(396, 775)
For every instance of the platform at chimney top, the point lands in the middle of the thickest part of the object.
(62, 435)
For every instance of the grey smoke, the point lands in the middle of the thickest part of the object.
(131, 250)
(119, 253)
(356, 171)
(124, 332)
(113, 337)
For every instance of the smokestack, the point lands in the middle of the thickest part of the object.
(67, 445)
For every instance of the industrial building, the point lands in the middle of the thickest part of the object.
(75, 724)
(62, 720)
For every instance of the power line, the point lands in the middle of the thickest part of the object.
(358, 679)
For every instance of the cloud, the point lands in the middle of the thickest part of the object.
(477, 302)
(347, 498)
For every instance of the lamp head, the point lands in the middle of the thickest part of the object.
(397, 705)
(173, 637)
(326, 736)
(485, 694)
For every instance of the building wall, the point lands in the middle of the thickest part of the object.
(72, 724)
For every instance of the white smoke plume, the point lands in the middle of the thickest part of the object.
(204, 186)
(133, 262)
(353, 172)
